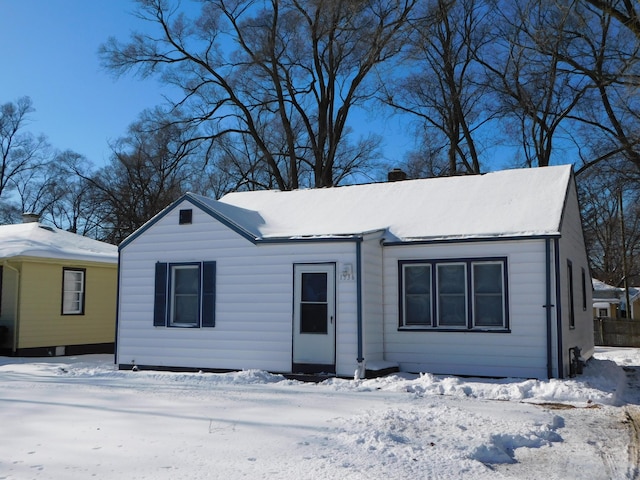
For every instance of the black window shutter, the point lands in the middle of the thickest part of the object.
(208, 294)
(160, 300)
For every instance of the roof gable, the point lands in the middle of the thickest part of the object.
(237, 219)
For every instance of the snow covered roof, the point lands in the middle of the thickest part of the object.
(604, 291)
(37, 240)
(600, 285)
(522, 202)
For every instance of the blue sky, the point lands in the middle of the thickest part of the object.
(48, 51)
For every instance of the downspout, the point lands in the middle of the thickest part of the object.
(556, 248)
(16, 305)
(360, 372)
(548, 306)
(115, 339)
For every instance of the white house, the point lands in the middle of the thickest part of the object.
(475, 275)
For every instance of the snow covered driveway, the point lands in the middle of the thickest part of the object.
(79, 418)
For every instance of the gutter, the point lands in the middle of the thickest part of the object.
(360, 372)
(16, 305)
(115, 339)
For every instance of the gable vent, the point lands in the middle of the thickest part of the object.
(185, 217)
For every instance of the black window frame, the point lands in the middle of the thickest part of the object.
(572, 305)
(471, 324)
(185, 216)
(584, 290)
(163, 300)
(1, 277)
(83, 297)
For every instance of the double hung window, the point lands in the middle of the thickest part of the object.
(184, 301)
(454, 294)
(73, 291)
(185, 294)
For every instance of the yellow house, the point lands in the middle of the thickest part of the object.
(610, 301)
(57, 292)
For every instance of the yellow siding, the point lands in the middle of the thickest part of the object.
(41, 321)
(613, 311)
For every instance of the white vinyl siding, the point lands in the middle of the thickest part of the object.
(372, 291)
(572, 249)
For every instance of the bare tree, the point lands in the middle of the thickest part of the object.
(36, 190)
(625, 11)
(73, 206)
(149, 169)
(21, 153)
(443, 88)
(603, 52)
(537, 88)
(607, 55)
(601, 188)
(281, 74)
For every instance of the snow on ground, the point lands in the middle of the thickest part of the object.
(79, 418)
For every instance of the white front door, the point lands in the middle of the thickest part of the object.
(314, 322)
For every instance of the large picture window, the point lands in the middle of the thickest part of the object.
(185, 294)
(468, 294)
(73, 287)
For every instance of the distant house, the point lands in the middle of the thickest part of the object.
(57, 292)
(475, 275)
(610, 301)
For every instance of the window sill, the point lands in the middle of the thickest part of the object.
(455, 330)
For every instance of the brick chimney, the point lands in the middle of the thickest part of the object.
(30, 218)
(396, 175)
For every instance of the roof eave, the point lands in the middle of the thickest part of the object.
(467, 239)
